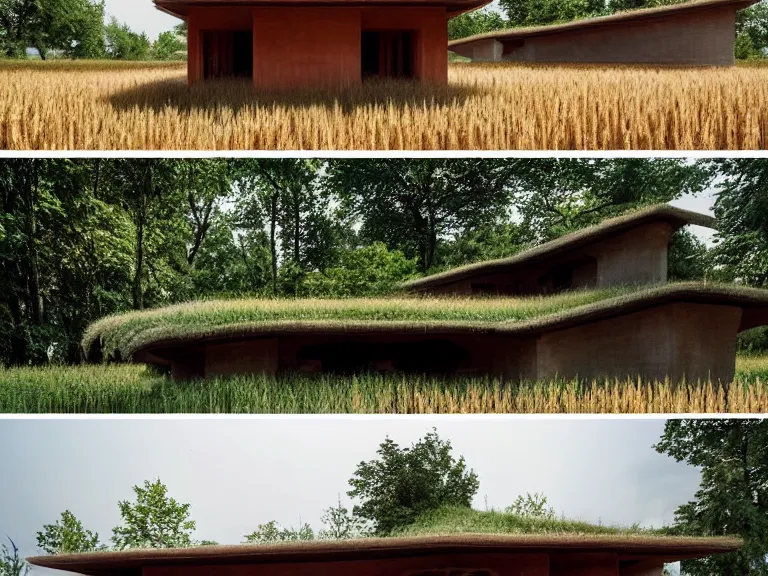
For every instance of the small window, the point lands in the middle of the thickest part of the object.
(387, 53)
(227, 54)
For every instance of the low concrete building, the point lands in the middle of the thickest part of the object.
(694, 33)
(456, 555)
(679, 331)
(299, 43)
(630, 249)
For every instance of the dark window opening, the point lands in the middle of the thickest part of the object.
(227, 54)
(485, 288)
(387, 53)
(426, 357)
(558, 279)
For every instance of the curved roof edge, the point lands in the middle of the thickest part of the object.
(754, 301)
(628, 16)
(103, 563)
(677, 216)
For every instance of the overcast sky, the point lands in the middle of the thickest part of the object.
(237, 473)
(141, 16)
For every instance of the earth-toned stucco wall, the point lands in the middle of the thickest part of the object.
(320, 46)
(695, 38)
(676, 341)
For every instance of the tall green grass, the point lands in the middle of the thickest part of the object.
(136, 389)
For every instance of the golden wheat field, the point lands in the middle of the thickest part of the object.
(109, 106)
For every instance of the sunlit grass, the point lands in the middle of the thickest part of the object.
(106, 105)
(131, 388)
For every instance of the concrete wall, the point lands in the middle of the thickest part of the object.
(639, 256)
(467, 564)
(320, 46)
(678, 340)
(696, 38)
(248, 357)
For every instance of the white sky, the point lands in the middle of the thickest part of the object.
(237, 473)
(141, 16)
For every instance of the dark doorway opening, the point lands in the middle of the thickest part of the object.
(425, 357)
(387, 53)
(227, 54)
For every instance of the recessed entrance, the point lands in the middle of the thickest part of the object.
(227, 54)
(388, 53)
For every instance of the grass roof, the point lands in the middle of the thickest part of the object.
(450, 530)
(623, 16)
(457, 520)
(572, 241)
(120, 336)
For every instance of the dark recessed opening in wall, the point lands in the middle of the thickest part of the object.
(227, 54)
(387, 53)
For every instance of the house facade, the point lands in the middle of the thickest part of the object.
(310, 43)
(694, 33)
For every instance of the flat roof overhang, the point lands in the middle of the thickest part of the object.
(516, 34)
(629, 548)
(753, 301)
(538, 255)
(181, 8)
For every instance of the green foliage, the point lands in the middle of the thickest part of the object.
(688, 258)
(74, 28)
(67, 536)
(153, 521)
(462, 519)
(741, 252)
(169, 46)
(273, 532)
(340, 524)
(476, 22)
(122, 43)
(752, 31)
(11, 564)
(753, 341)
(538, 12)
(532, 506)
(403, 483)
(369, 271)
(733, 494)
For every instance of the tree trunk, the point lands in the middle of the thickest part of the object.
(31, 190)
(272, 240)
(138, 295)
(296, 227)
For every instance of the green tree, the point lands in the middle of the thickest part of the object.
(169, 46)
(74, 27)
(153, 521)
(11, 564)
(557, 195)
(538, 12)
(67, 536)
(532, 506)
(402, 483)
(688, 257)
(273, 532)
(122, 43)
(741, 204)
(341, 524)
(733, 495)
(752, 31)
(413, 205)
(476, 22)
(369, 271)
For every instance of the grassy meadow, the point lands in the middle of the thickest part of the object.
(148, 106)
(128, 388)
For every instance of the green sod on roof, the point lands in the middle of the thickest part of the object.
(123, 334)
(456, 520)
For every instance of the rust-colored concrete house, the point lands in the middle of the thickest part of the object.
(458, 555)
(695, 33)
(293, 43)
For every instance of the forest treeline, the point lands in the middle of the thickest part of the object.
(751, 23)
(84, 238)
(79, 29)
